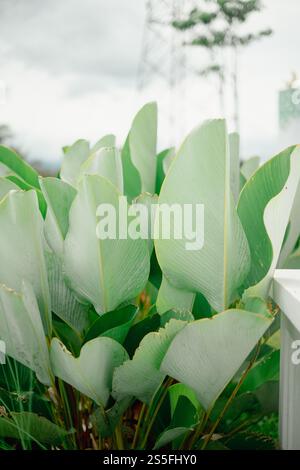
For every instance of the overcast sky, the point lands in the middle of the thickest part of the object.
(70, 70)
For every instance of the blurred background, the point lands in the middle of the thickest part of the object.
(73, 69)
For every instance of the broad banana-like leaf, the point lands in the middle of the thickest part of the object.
(200, 174)
(59, 196)
(22, 248)
(75, 155)
(104, 272)
(141, 377)
(264, 209)
(249, 167)
(170, 297)
(234, 147)
(144, 207)
(22, 330)
(207, 353)
(108, 140)
(63, 301)
(90, 373)
(293, 231)
(105, 162)
(6, 186)
(139, 153)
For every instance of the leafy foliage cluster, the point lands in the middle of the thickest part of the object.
(115, 344)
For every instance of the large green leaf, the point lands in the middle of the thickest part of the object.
(18, 166)
(234, 146)
(63, 301)
(140, 377)
(293, 231)
(59, 196)
(144, 207)
(105, 162)
(115, 325)
(91, 373)
(22, 248)
(73, 158)
(30, 426)
(22, 330)
(108, 140)
(200, 174)
(106, 272)
(264, 208)
(139, 153)
(207, 353)
(170, 297)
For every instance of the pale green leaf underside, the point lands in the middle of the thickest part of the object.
(105, 162)
(22, 248)
(63, 301)
(59, 196)
(200, 174)
(249, 167)
(75, 155)
(170, 297)
(139, 152)
(90, 373)
(108, 140)
(106, 272)
(142, 144)
(141, 377)
(22, 330)
(207, 353)
(264, 208)
(234, 147)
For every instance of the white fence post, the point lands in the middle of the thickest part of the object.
(286, 293)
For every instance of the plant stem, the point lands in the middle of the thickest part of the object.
(231, 398)
(200, 428)
(137, 429)
(119, 437)
(155, 413)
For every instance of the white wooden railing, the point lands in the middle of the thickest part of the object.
(286, 293)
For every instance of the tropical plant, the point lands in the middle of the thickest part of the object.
(119, 344)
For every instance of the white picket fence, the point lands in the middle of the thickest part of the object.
(286, 293)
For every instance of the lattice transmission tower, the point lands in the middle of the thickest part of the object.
(164, 59)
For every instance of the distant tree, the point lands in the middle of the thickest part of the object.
(215, 26)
